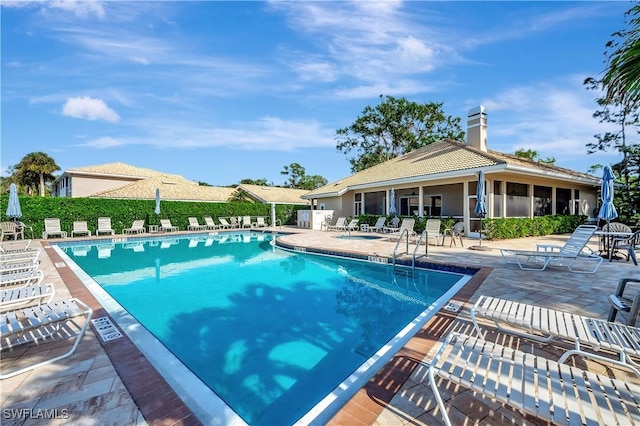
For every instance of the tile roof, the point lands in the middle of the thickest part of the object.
(444, 158)
(172, 187)
(117, 169)
(274, 194)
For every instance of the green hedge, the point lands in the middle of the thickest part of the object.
(502, 229)
(124, 212)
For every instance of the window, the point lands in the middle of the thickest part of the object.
(497, 198)
(374, 202)
(433, 205)
(576, 201)
(541, 200)
(563, 201)
(517, 200)
(357, 205)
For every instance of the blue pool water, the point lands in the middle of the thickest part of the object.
(269, 331)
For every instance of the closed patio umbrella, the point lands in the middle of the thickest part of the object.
(481, 208)
(157, 210)
(392, 202)
(13, 208)
(607, 210)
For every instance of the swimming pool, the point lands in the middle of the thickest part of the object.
(271, 332)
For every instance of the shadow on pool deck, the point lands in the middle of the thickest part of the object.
(113, 383)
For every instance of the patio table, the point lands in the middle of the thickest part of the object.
(606, 238)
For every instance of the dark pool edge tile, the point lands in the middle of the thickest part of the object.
(121, 352)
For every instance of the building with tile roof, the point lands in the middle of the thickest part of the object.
(273, 194)
(124, 181)
(440, 180)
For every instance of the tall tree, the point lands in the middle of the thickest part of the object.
(36, 164)
(297, 178)
(532, 154)
(259, 182)
(394, 127)
(622, 76)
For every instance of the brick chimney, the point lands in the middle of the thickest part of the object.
(477, 128)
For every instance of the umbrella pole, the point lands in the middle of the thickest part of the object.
(480, 243)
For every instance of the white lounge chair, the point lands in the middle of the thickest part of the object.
(7, 247)
(235, 223)
(543, 388)
(23, 278)
(26, 295)
(194, 225)
(340, 224)
(392, 226)
(259, 223)
(210, 224)
(379, 225)
(246, 222)
(166, 226)
(104, 226)
(13, 266)
(55, 320)
(137, 227)
(407, 225)
(224, 224)
(52, 229)
(80, 228)
(432, 231)
(20, 256)
(547, 254)
(543, 325)
(352, 225)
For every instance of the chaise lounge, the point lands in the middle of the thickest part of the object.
(547, 254)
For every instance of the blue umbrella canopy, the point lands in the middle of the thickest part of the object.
(608, 210)
(481, 203)
(157, 210)
(392, 202)
(13, 208)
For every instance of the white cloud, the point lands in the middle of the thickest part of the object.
(80, 8)
(89, 109)
(104, 142)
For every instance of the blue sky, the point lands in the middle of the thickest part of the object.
(221, 91)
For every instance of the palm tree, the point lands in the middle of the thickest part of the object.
(36, 165)
(622, 78)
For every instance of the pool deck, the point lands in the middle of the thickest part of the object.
(112, 383)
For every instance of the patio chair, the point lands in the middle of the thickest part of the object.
(80, 228)
(546, 389)
(104, 226)
(52, 229)
(246, 222)
(25, 227)
(455, 232)
(379, 225)
(235, 223)
(224, 224)
(629, 244)
(543, 325)
(55, 320)
(392, 226)
(432, 230)
(137, 227)
(546, 254)
(352, 225)
(340, 224)
(26, 295)
(166, 226)
(259, 223)
(209, 223)
(194, 225)
(34, 276)
(407, 225)
(19, 246)
(628, 304)
(10, 230)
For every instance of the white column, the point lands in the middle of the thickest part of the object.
(420, 201)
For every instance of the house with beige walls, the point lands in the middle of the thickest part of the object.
(439, 180)
(124, 181)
